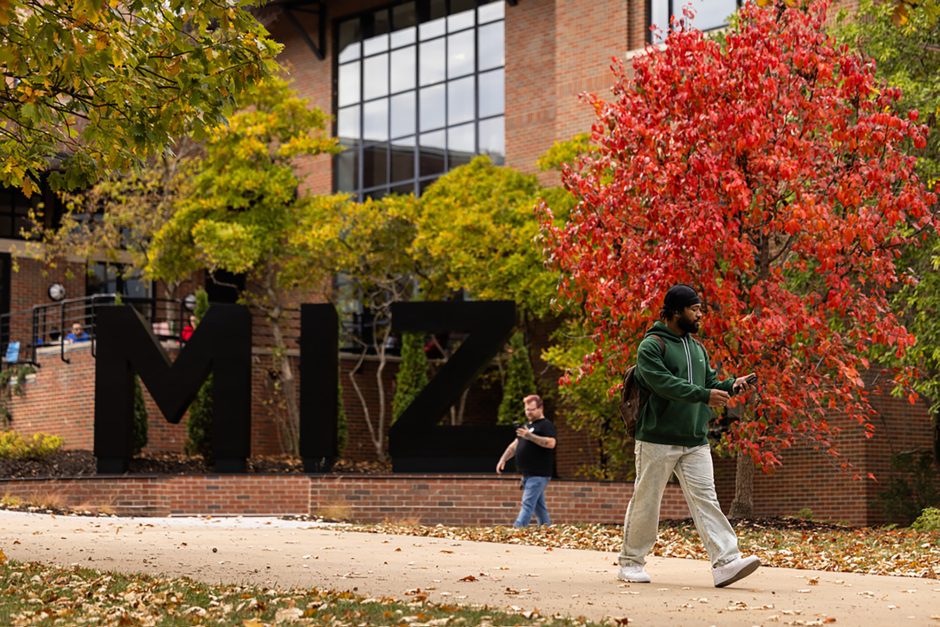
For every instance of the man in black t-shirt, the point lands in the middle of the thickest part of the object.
(534, 449)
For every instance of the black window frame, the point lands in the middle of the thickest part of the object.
(357, 151)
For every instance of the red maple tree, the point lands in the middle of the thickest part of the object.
(767, 168)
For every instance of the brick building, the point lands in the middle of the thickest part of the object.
(417, 88)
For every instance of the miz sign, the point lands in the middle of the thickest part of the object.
(221, 346)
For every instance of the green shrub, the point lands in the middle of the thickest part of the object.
(520, 382)
(40, 445)
(912, 489)
(929, 520)
(199, 424)
(412, 374)
(139, 427)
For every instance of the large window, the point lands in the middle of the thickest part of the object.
(419, 90)
(14, 212)
(709, 14)
(112, 278)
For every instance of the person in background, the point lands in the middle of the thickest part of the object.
(189, 329)
(77, 334)
(534, 449)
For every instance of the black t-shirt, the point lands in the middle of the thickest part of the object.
(533, 460)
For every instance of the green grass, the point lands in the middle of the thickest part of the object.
(36, 594)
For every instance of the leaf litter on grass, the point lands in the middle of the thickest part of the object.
(785, 544)
(36, 594)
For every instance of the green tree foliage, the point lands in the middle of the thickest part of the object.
(519, 382)
(246, 214)
(108, 84)
(476, 231)
(588, 405)
(412, 376)
(199, 423)
(904, 40)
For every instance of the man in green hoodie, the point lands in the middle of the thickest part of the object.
(671, 437)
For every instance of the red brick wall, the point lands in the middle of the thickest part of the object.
(429, 499)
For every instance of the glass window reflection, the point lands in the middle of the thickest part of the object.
(431, 107)
(460, 100)
(491, 46)
(493, 139)
(348, 88)
(460, 54)
(492, 93)
(420, 90)
(375, 77)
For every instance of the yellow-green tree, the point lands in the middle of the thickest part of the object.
(476, 231)
(244, 213)
(93, 86)
(368, 244)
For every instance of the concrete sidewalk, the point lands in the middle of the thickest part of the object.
(273, 552)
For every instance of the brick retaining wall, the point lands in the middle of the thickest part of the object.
(428, 499)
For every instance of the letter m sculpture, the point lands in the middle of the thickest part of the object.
(125, 345)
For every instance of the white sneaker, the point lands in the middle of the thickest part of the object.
(633, 574)
(734, 570)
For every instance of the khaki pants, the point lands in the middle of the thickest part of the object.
(655, 463)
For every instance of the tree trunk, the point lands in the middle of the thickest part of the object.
(376, 435)
(743, 504)
(290, 428)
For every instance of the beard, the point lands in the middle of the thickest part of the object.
(687, 325)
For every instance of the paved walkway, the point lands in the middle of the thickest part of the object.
(272, 552)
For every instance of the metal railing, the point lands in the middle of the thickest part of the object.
(48, 325)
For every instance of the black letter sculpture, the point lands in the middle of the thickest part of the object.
(416, 442)
(125, 345)
(319, 386)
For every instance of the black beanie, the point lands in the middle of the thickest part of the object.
(679, 297)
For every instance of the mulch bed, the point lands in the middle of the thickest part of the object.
(82, 464)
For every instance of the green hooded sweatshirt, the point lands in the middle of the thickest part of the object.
(679, 379)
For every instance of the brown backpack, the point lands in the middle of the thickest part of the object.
(633, 395)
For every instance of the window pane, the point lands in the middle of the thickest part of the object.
(659, 17)
(431, 153)
(348, 84)
(375, 120)
(461, 145)
(491, 11)
(403, 69)
(432, 61)
(403, 159)
(375, 194)
(432, 107)
(711, 14)
(404, 24)
(460, 54)
(21, 224)
(491, 45)
(6, 223)
(460, 100)
(376, 33)
(461, 14)
(347, 169)
(347, 123)
(375, 79)
(374, 164)
(403, 114)
(492, 94)
(492, 140)
(434, 20)
(349, 37)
